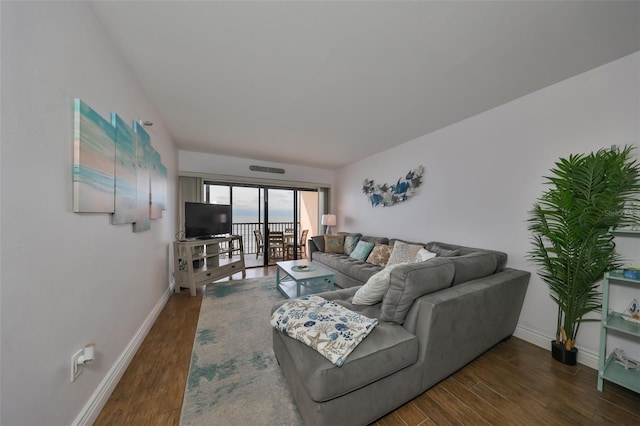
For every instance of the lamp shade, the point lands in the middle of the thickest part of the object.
(329, 219)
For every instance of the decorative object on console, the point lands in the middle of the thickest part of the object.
(388, 195)
(329, 220)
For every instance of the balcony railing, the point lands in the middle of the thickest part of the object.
(248, 237)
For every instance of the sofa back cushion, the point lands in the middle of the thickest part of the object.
(473, 266)
(440, 249)
(318, 240)
(410, 281)
(374, 240)
(350, 242)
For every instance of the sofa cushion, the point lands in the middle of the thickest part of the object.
(334, 243)
(387, 349)
(403, 252)
(362, 250)
(375, 288)
(350, 242)
(374, 240)
(424, 255)
(408, 282)
(380, 254)
(473, 266)
(318, 240)
(501, 257)
(356, 269)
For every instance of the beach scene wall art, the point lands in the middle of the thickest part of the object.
(116, 170)
(144, 154)
(94, 150)
(126, 189)
(158, 187)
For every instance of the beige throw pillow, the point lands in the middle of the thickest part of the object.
(403, 253)
(380, 255)
(334, 244)
(375, 288)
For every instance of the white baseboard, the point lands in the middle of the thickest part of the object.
(94, 405)
(585, 357)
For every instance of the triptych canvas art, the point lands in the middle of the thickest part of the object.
(116, 170)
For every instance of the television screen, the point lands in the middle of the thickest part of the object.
(206, 220)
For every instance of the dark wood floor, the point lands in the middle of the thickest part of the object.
(513, 383)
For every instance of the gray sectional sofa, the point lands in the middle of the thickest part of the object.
(435, 317)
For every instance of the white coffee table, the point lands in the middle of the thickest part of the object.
(295, 278)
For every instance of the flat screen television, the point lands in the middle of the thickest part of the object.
(206, 220)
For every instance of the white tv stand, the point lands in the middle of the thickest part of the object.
(201, 261)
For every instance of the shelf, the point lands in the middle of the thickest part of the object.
(618, 276)
(198, 262)
(616, 373)
(625, 231)
(608, 369)
(616, 322)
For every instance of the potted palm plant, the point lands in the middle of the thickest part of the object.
(572, 242)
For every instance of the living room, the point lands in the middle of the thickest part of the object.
(79, 279)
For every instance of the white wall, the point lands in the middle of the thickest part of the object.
(196, 162)
(484, 173)
(67, 279)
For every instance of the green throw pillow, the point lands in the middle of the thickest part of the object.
(362, 250)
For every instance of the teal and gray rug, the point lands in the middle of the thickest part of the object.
(234, 378)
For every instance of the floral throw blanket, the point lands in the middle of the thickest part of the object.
(327, 327)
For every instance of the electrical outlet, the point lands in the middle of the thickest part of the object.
(76, 369)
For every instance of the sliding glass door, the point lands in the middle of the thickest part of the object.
(272, 220)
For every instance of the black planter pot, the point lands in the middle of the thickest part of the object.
(562, 354)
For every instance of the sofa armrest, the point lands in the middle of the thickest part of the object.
(311, 248)
(457, 324)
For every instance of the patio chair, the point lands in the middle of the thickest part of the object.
(276, 245)
(259, 242)
(302, 247)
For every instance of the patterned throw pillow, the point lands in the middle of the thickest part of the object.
(350, 243)
(362, 250)
(403, 253)
(334, 244)
(380, 254)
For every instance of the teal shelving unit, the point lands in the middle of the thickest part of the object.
(608, 369)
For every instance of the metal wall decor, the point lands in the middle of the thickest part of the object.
(388, 195)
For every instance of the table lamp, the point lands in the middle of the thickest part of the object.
(329, 220)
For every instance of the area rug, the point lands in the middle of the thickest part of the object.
(234, 378)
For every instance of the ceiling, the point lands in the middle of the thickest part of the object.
(327, 83)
